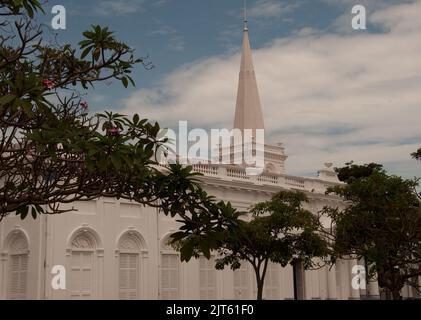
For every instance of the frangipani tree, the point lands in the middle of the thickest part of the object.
(54, 151)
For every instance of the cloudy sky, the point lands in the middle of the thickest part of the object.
(329, 93)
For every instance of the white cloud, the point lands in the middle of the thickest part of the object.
(163, 30)
(118, 7)
(270, 9)
(327, 97)
(98, 98)
(159, 3)
(399, 19)
(176, 41)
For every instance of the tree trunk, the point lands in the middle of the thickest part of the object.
(388, 294)
(396, 294)
(392, 281)
(260, 278)
(260, 284)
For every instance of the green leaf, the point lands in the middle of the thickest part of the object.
(39, 209)
(125, 82)
(6, 99)
(204, 247)
(85, 52)
(84, 43)
(88, 34)
(23, 212)
(186, 251)
(30, 11)
(135, 119)
(131, 79)
(97, 53)
(116, 161)
(34, 213)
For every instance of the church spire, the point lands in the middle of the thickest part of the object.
(248, 112)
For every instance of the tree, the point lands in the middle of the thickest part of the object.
(382, 224)
(417, 155)
(52, 150)
(280, 231)
(352, 170)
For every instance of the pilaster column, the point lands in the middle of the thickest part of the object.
(364, 290)
(355, 293)
(373, 290)
(3, 276)
(332, 293)
(222, 172)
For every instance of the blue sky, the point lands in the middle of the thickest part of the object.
(177, 32)
(306, 58)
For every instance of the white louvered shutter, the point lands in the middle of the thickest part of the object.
(81, 274)
(128, 276)
(170, 277)
(18, 277)
(272, 282)
(241, 283)
(207, 281)
(343, 279)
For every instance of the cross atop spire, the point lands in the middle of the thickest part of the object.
(245, 16)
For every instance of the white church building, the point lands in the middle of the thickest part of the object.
(114, 249)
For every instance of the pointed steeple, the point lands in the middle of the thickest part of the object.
(248, 112)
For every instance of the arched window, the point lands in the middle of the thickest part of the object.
(82, 272)
(130, 247)
(18, 266)
(170, 273)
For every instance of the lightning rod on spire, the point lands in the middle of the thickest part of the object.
(245, 16)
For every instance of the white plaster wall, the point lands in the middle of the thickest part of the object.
(110, 218)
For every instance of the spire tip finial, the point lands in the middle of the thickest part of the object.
(245, 16)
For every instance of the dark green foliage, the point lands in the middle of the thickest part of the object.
(417, 155)
(280, 230)
(18, 7)
(352, 170)
(381, 224)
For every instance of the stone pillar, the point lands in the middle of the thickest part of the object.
(3, 276)
(332, 293)
(222, 171)
(373, 290)
(364, 290)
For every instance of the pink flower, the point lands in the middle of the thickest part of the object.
(30, 153)
(113, 131)
(84, 105)
(48, 84)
